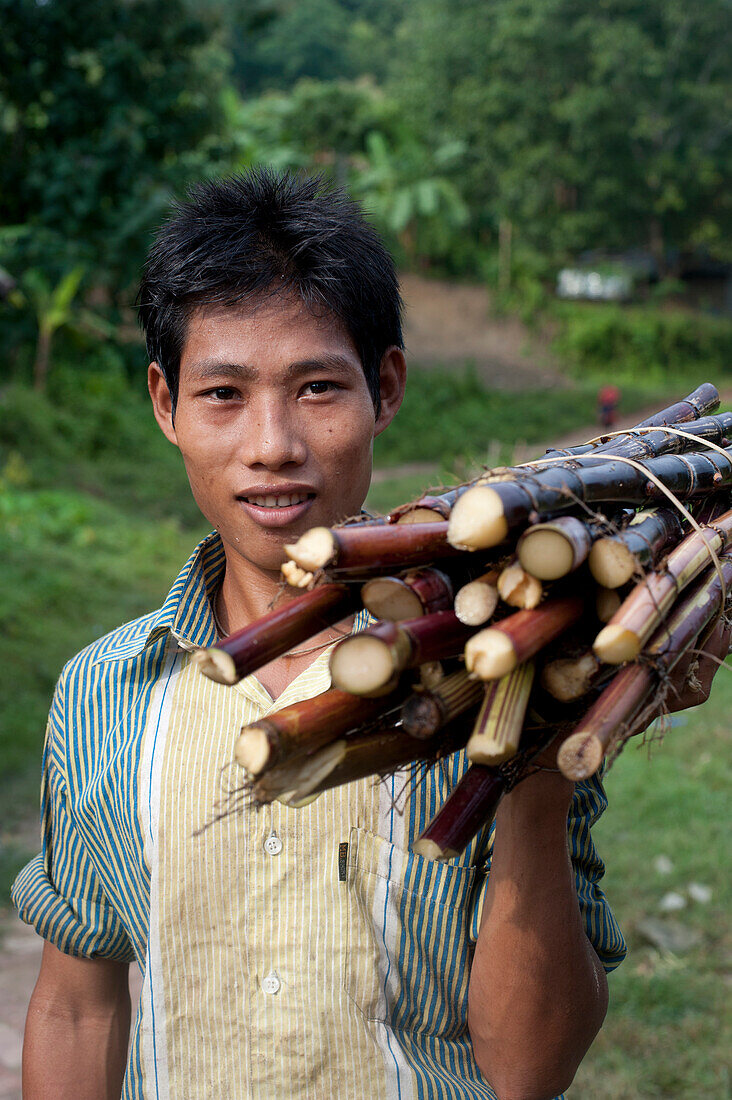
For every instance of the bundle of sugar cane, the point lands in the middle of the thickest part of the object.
(515, 595)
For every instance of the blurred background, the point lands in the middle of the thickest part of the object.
(553, 178)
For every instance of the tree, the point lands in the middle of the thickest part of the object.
(107, 106)
(587, 122)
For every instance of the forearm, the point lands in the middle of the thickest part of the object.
(538, 992)
(74, 1051)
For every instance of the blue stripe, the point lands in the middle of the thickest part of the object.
(383, 936)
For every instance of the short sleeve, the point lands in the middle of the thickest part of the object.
(603, 932)
(59, 893)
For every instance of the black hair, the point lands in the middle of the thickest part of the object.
(262, 232)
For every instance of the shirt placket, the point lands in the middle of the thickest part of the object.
(272, 916)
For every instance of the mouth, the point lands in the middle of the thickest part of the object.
(276, 509)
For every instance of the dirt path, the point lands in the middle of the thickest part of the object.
(449, 324)
(20, 959)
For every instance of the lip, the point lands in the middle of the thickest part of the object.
(276, 517)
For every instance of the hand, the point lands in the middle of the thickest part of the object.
(691, 680)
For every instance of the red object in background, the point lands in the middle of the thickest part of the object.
(608, 400)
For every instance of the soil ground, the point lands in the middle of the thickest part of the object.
(451, 323)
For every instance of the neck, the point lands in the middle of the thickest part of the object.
(247, 593)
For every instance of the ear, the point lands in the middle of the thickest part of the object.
(392, 384)
(162, 402)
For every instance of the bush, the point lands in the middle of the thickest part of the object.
(638, 339)
(95, 432)
(449, 414)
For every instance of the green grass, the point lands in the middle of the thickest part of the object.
(664, 1037)
(95, 521)
(449, 415)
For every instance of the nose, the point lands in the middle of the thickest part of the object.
(271, 437)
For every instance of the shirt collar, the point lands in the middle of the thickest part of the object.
(187, 612)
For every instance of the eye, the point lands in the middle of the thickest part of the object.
(223, 393)
(319, 387)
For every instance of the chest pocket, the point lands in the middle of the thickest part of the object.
(408, 953)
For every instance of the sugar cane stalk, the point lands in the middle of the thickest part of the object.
(581, 754)
(428, 509)
(474, 801)
(553, 549)
(305, 726)
(369, 662)
(366, 550)
(420, 592)
(498, 727)
(374, 754)
(471, 807)
(424, 712)
(645, 608)
(296, 620)
(497, 650)
(485, 514)
(703, 400)
(615, 559)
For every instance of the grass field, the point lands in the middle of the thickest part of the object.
(88, 540)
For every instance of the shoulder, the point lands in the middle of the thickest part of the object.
(107, 669)
(127, 640)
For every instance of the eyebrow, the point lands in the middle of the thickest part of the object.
(243, 372)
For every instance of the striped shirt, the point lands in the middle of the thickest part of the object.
(296, 953)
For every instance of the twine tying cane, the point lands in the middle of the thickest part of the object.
(608, 457)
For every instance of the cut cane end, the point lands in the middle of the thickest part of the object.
(477, 520)
(607, 603)
(431, 674)
(490, 655)
(421, 515)
(217, 665)
(489, 754)
(518, 588)
(389, 598)
(363, 666)
(580, 756)
(611, 563)
(476, 602)
(616, 644)
(428, 849)
(313, 550)
(253, 751)
(546, 555)
(295, 576)
(569, 678)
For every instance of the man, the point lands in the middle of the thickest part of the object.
(285, 953)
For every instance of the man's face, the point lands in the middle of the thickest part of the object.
(274, 421)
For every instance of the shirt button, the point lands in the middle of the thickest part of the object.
(273, 845)
(271, 983)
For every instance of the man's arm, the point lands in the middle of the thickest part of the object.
(538, 992)
(77, 1029)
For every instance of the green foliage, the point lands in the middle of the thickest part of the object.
(449, 414)
(643, 341)
(355, 133)
(74, 567)
(584, 123)
(276, 43)
(676, 805)
(92, 430)
(104, 108)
